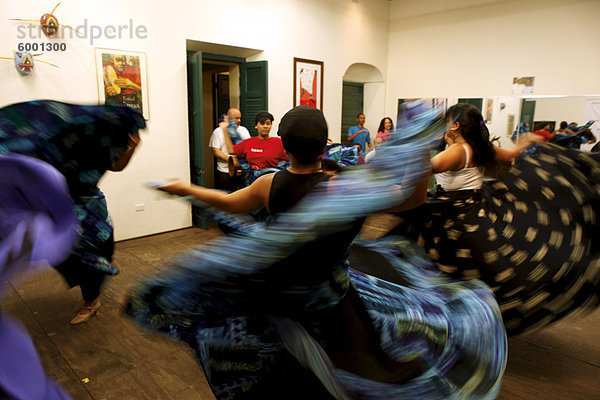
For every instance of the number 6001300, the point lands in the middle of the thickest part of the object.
(42, 46)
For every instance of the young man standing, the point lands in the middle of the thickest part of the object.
(358, 134)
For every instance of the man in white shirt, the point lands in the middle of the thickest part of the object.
(219, 149)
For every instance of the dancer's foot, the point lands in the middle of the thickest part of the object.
(88, 310)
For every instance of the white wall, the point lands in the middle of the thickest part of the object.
(477, 47)
(570, 109)
(470, 48)
(374, 104)
(337, 32)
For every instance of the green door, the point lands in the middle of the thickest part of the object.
(352, 105)
(195, 121)
(253, 92)
(527, 112)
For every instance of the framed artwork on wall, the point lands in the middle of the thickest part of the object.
(489, 109)
(510, 122)
(122, 79)
(523, 84)
(308, 83)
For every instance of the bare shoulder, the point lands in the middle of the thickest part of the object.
(262, 185)
(448, 159)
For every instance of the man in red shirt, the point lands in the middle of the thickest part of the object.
(543, 129)
(261, 151)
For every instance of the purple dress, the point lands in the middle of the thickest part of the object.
(37, 228)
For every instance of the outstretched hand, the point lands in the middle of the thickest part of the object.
(176, 186)
(527, 140)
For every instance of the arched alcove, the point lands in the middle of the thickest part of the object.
(363, 73)
(373, 101)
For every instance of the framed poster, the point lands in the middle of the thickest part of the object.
(122, 79)
(510, 122)
(489, 109)
(308, 83)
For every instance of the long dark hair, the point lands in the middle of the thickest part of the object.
(382, 125)
(474, 131)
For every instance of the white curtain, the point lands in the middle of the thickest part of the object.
(592, 113)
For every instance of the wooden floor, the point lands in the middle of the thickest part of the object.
(109, 358)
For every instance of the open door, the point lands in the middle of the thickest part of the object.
(196, 124)
(253, 92)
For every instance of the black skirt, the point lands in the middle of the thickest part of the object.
(531, 235)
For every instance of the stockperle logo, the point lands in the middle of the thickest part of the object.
(87, 31)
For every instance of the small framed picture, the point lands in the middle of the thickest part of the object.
(122, 79)
(489, 109)
(308, 83)
(523, 85)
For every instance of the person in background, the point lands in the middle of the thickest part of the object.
(361, 159)
(262, 151)
(219, 149)
(542, 129)
(562, 129)
(573, 136)
(385, 130)
(521, 129)
(358, 134)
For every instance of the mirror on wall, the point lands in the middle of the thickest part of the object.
(504, 113)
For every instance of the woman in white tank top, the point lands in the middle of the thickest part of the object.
(468, 151)
(516, 234)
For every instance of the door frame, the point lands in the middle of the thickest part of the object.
(196, 115)
(196, 129)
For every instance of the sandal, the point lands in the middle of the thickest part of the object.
(86, 312)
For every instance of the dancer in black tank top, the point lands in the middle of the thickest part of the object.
(287, 188)
(346, 331)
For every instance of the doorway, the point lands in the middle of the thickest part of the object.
(352, 105)
(218, 96)
(217, 82)
(363, 92)
(527, 112)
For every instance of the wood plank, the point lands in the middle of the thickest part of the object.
(537, 373)
(123, 362)
(575, 337)
(52, 360)
(176, 376)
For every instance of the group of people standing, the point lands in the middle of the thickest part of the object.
(264, 151)
(298, 307)
(260, 152)
(360, 136)
(568, 135)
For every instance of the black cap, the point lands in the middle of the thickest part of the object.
(303, 132)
